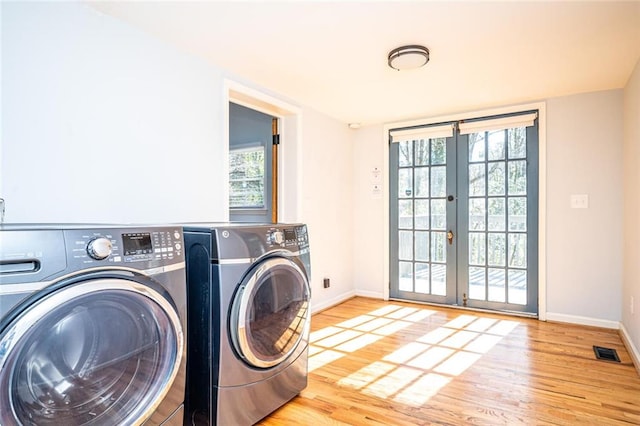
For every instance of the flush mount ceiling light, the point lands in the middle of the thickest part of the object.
(408, 57)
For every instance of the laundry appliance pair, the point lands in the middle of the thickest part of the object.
(249, 320)
(99, 324)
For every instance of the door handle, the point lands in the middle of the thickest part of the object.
(450, 237)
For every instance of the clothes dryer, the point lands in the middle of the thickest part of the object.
(92, 325)
(249, 314)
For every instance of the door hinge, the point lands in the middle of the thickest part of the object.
(276, 139)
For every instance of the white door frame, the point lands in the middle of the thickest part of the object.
(290, 152)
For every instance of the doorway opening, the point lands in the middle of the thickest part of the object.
(253, 165)
(267, 193)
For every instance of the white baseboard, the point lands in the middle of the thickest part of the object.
(315, 308)
(370, 294)
(575, 319)
(631, 348)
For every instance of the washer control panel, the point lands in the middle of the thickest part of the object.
(288, 236)
(154, 245)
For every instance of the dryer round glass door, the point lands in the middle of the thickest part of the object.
(99, 352)
(270, 312)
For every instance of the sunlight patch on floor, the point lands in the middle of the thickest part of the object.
(401, 313)
(393, 382)
(354, 322)
(407, 352)
(373, 324)
(483, 343)
(481, 324)
(436, 336)
(431, 358)
(366, 375)
(323, 358)
(416, 371)
(459, 340)
(421, 390)
(338, 339)
(325, 332)
(457, 363)
(503, 327)
(356, 333)
(461, 321)
(358, 343)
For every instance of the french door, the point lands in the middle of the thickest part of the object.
(464, 213)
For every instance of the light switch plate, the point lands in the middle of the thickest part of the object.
(376, 190)
(579, 201)
(376, 175)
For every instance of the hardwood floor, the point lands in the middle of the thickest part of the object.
(392, 363)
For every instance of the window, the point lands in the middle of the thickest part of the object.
(246, 177)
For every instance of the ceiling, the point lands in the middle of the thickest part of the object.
(332, 56)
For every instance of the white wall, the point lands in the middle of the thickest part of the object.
(327, 205)
(584, 258)
(584, 246)
(370, 232)
(102, 123)
(631, 224)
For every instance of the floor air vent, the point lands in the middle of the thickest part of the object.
(606, 354)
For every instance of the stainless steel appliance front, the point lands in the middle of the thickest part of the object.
(249, 298)
(92, 325)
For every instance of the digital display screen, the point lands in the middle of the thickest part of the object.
(289, 234)
(137, 243)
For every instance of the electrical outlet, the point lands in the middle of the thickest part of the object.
(579, 201)
(326, 282)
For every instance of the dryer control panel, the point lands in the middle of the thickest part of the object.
(244, 241)
(290, 236)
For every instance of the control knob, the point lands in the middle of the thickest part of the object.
(276, 237)
(99, 248)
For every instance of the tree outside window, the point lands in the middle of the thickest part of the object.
(246, 177)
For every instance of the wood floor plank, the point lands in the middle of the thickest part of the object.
(394, 363)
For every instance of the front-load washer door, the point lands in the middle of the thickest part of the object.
(100, 352)
(270, 312)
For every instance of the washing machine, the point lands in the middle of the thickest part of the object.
(92, 325)
(249, 315)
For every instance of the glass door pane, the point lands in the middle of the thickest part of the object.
(498, 234)
(423, 265)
